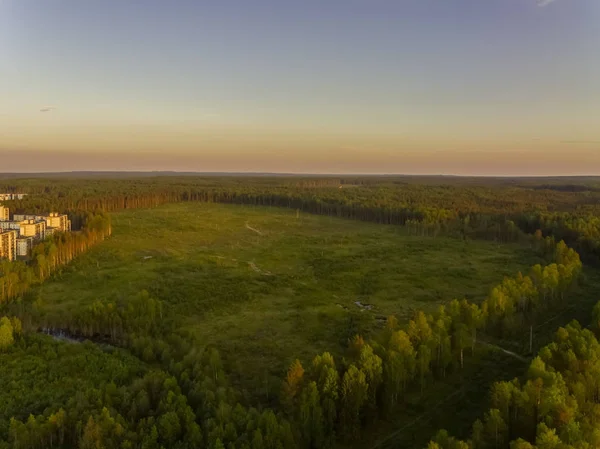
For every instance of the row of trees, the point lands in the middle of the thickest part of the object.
(50, 255)
(468, 209)
(555, 406)
(113, 322)
(329, 400)
(10, 328)
(518, 302)
(581, 230)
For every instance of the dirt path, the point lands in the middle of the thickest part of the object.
(253, 229)
(506, 351)
(258, 270)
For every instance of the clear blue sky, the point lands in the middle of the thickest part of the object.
(407, 86)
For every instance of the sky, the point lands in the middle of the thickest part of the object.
(468, 87)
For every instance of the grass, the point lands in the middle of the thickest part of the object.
(266, 286)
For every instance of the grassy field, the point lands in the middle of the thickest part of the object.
(267, 285)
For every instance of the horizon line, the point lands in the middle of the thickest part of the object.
(328, 174)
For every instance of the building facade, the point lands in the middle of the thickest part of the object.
(33, 228)
(10, 225)
(12, 196)
(53, 220)
(24, 246)
(8, 245)
(25, 217)
(58, 221)
(20, 234)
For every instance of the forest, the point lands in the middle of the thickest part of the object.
(123, 362)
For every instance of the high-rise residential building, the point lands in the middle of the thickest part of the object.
(24, 217)
(12, 196)
(8, 245)
(53, 220)
(10, 225)
(33, 228)
(24, 246)
(4, 213)
(59, 221)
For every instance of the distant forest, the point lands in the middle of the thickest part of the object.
(138, 381)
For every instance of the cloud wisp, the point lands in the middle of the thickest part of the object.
(543, 3)
(47, 109)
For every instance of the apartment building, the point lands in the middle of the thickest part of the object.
(10, 225)
(12, 196)
(19, 234)
(33, 228)
(24, 246)
(25, 217)
(58, 221)
(8, 245)
(53, 220)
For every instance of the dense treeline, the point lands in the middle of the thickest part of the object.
(51, 254)
(582, 231)
(518, 302)
(555, 405)
(126, 405)
(500, 210)
(102, 397)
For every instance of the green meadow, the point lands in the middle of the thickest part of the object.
(267, 285)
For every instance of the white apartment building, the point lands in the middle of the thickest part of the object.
(25, 217)
(10, 225)
(53, 220)
(12, 196)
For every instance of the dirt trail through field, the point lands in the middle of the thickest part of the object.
(253, 229)
(258, 270)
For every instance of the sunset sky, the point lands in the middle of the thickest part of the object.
(482, 87)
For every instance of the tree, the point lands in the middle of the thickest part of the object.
(311, 417)
(354, 395)
(257, 440)
(495, 428)
(462, 339)
(521, 444)
(546, 438)
(92, 436)
(423, 361)
(327, 378)
(6, 333)
(419, 330)
(169, 428)
(371, 364)
(291, 387)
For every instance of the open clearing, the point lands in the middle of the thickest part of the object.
(267, 286)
